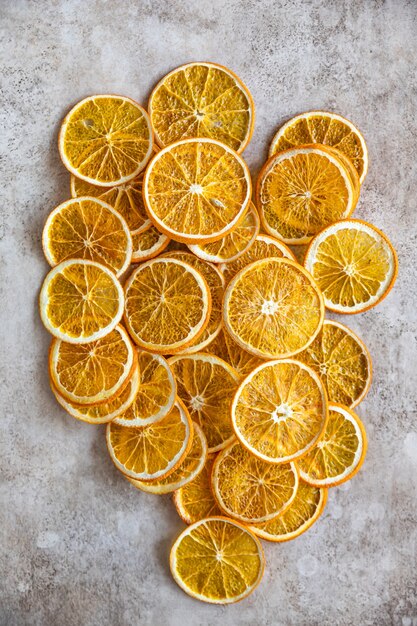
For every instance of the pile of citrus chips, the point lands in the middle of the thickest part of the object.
(181, 318)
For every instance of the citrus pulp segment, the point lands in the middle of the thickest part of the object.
(233, 245)
(187, 471)
(196, 190)
(354, 264)
(156, 392)
(80, 301)
(202, 100)
(273, 308)
(206, 384)
(303, 511)
(215, 282)
(195, 501)
(249, 489)
(302, 190)
(87, 228)
(126, 199)
(95, 372)
(324, 128)
(217, 560)
(153, 451)
(106, 140)
(342, 361)
(340, 452)
(280, 410)
(167, 305)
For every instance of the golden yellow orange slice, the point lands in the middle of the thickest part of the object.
(155, 394)
(153, 451)
(217, 560)
(354, 264)
(324, 128)
(342, 361)
(206, 384)
(105, 412)
(263, 247)
(106, 140)
(167, 305)
(340, 452)
(95, 372)
(280, 410)
(148, 244)
(126, 199)
(233, 245)
(187, 471)
(215, 282)
(304, 510)
(227, 349)
(202, 100)
(195, 501)
(249, 489)
(273, 308)
(87, 228)
(196, 190)
(80, 301)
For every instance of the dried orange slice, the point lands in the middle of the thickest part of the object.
(155, 395)
(80, 301)
(304, 510)
(153, 451)
(215, 282)
(87, 228)
(126, 199)
(148, 244)
(106, 140)
(340, 452)
(195, 501)
(196, 190)
(233, 245)
(202, 100)
(280, 410)
(354, 264)
(324, 128)
(217, 560)
(302, 190)
(95, 372)
(342, 361)
(227, 349)
(167, 306)
(101, 413)
(273, 308)
(250, 490)
(263, 247)
(187, 471)
(206, 384)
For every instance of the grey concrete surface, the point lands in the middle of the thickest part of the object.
(78, 545)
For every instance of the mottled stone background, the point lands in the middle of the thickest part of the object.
(78, 544)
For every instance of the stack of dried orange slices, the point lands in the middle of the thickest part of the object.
(181, 318)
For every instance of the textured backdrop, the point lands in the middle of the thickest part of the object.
(78, 544)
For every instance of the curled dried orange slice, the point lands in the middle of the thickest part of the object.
(217, 560)
(87, 228)
(95, 372)
(168, 305)
(106, 140)
(248, 488)
(202, 100)
(153, 451)
(273, 308)
(196, 190)
(81, 301)
(280, 410)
